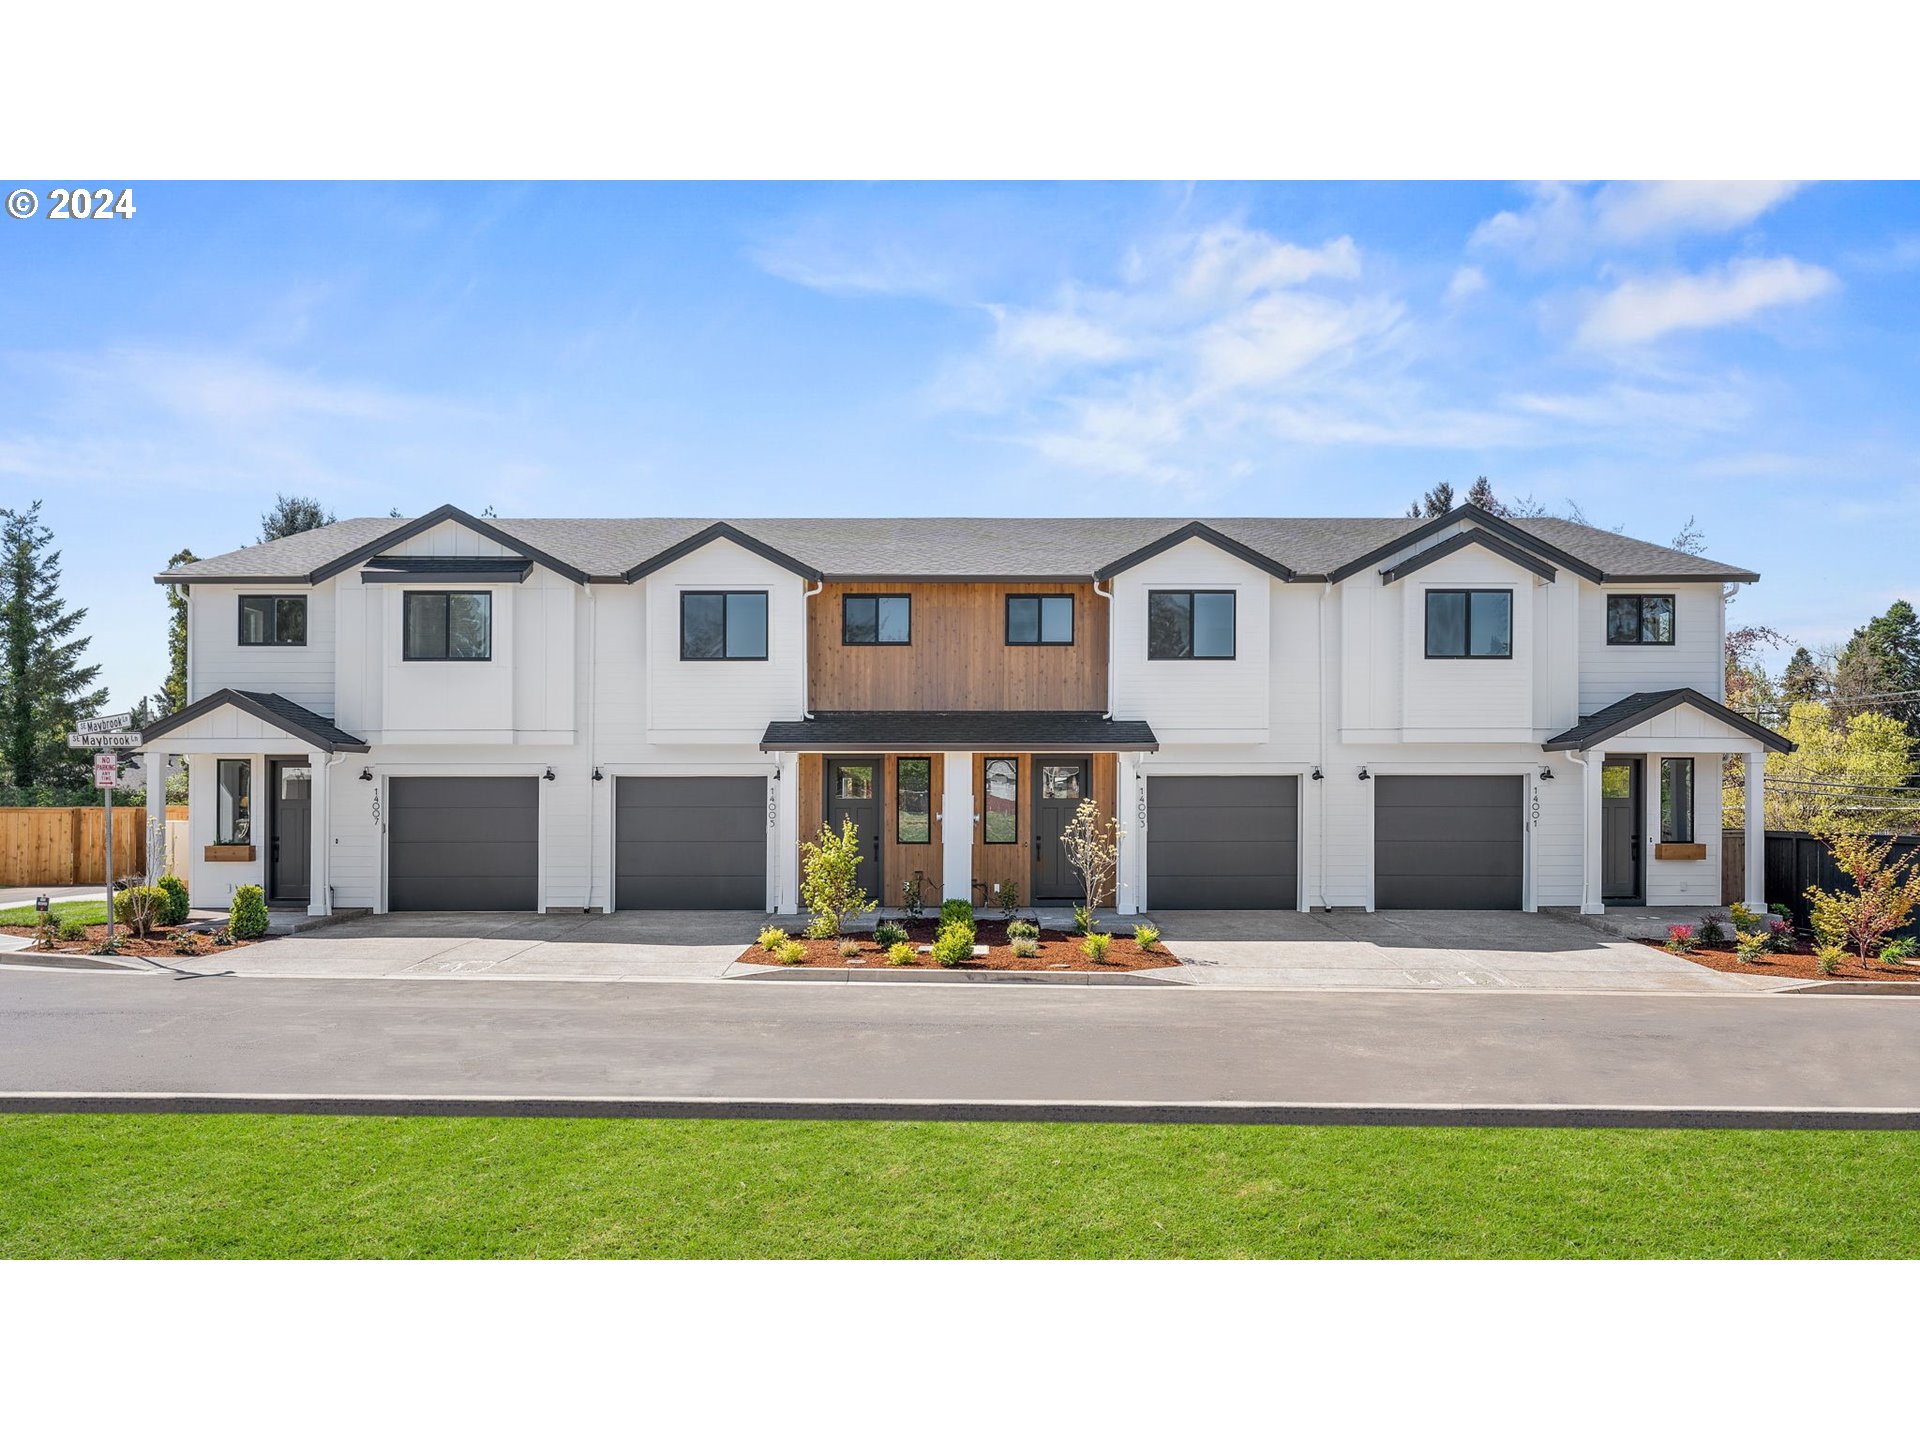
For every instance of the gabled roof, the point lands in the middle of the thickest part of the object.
(316, 729)
(1461, 541)
(1502, 529)
(1627, 713)
(719, 530)
(1195, 531)
(909, 730)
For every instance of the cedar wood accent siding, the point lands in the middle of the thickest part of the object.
(959, 658)
(897, 861)
(995, 863)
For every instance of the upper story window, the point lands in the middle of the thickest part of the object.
(876, 620)
(1190, 624)
(1639, 619)
(273, 619)
(1469, 624)
(1039, 619)
(447, 625)
(723, 625)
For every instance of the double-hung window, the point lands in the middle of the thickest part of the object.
(1469, 625)
(273, 619)
(1676, 799)
(1039, 619)
(233, 806)
(447, 625)
(1190, 625)
(1639, 619)
(723, 625)
(876, 620)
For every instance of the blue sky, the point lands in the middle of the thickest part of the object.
(1743, 354)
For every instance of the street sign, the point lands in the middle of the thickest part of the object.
(106, 770)
(100, 724)
(104, 739)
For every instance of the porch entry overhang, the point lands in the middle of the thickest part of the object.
(865, 732)
(1635, 711)
(279, 715)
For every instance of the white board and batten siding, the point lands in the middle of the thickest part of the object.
(1613, 672)
(690, 702)
(1203, 701)
(216, 660)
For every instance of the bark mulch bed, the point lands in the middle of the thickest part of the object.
(1796, 964)
(158, 945)
(1058, 951)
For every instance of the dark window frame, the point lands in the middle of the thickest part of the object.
(1233, 595)
(723, 657)
(225, 834)
(899, 833)
(240, 620)
(1466, 622)
(1640, 618)
(986, 762)
(407, 597)
(1040, 621)
(1669, 789)
(875, 595)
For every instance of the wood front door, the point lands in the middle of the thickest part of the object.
(1620, 812)
(854, 787)
(1060, 783)
(289, 876)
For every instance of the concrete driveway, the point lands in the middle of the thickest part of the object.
(1428, 950)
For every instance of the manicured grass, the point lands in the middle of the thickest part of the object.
(324, 1186)
(87, 912)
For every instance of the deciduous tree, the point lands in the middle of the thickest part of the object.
(292, 514)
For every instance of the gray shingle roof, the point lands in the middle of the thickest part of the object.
(954, 547)
(309, 725)
(970, 729)
(1627, 713)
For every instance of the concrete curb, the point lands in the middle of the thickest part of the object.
(1205, 1112)
(854, 976)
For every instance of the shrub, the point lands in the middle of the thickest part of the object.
(821, 927)
(901, 953)
(1749, 946)
(1094, 946)
(830, 878)
(960, 910)
(1680, 939)
(954, 944)
(177, 903)
(1082, 920)
(1779, 936)
(1743, 918)
(848, 948)
(910, 895)
(223, 936)
(1146, 936)
(1827, 959)
(106, 947)
(248, 917)
(1782, 909)
(887, 934)
(1007, 894)
(771, 939)
(47, 929)
(1022, 930)
(1712, 931)
(1885, 894)
(1898, 952)
(791, 952)
(1025, 946)
(70, 929)
(140, 907)
(184, 943)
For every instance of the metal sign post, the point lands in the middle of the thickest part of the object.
(106, 771)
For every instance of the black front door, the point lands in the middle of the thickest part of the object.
(1620, 811)
(288, 875)
(1060, 783)
(853, 793)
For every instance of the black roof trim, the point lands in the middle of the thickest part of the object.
(426, 522)
(1627, 713)
(1460, 542)
(907, 731)
(721, 530)
(1196, 530)
(1512, 534)
(297, 720)
(1736, 577)
(445, 570)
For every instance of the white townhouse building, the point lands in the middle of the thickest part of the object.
(455, 713)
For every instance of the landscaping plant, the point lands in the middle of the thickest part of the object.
(830, 879)
(910, 899)
(70, 929)
(1827, 959)
(1712, 932)
(900, 953)
(791, 952)
(1885, 893)
(1094, 946)
(140, 907)
(49, 929)
(1779, 936)
(1898, 952)
(177, 902)
(1743, 918)
(821, 927)
(1007, 894)
(956, 910)
(887, 934)
(953, 945)
(1092, 847)
(184, 943)
(1680, 939)
(248, 917)
(1082, 920)
(1749, 946)
(848, 948)
(1022, 930)
(772, 938)
(1146, 936)
(1024, 946)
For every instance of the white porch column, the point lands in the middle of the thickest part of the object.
(956, 826)
(1127, 819)
(1592, 851)
(786, 835)
(153, 764)
(320, 834)
(1756, 828)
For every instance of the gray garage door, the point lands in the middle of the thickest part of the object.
(463, 843)
(1223, 842)
(1447, 842)
(690, 843)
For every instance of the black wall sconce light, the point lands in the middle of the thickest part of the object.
(1316, 773)
(1363, 773)
(366, 772)
(596, 773)
(1546, 772)
(549, 774)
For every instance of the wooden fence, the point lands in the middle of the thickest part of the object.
(1795, 861)
(46, 845)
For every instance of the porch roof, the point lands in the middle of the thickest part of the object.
(893, 730)
(1637, 708)
(266, 707)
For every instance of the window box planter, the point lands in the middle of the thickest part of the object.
(229, 852)
(1680, 850)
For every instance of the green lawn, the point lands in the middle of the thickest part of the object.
(321, 1186)
(87, 912)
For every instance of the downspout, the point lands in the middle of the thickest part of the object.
(593, 759)
(1107, 595)
(806, 628)
(333, 824)
(1579, 758)
(1320, 762)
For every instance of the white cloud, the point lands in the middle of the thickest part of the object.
(1055, 335)
(1562, 222)
(1643, 309)
(1467, 281)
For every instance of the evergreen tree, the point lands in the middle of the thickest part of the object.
(44, 689)
(172, 694)
(1432, 505)
(1882, 661)
(1805, 680)
(1480, 494)
(290, 515)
